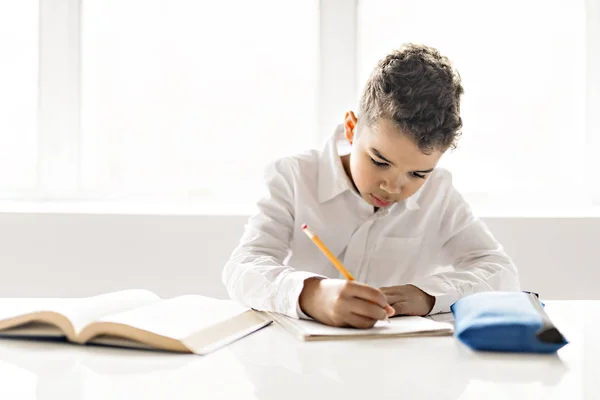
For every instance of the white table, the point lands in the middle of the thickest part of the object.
(271, 364)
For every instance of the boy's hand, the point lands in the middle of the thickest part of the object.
(338, 302)
(408, 300)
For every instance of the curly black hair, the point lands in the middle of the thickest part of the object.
(419, 90)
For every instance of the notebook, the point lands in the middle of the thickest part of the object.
(132, 318)
(403, 326)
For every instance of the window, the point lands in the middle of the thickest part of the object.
(183, 100)
(155, 99)
(18, 95)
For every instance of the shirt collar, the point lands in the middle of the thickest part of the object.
(333, 180)
(412, 203)
(332, 177)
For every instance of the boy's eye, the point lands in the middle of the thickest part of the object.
(379, 164)
(414, 174)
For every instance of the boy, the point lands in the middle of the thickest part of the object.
(392, 218)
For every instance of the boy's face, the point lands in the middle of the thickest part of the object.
(385, 165)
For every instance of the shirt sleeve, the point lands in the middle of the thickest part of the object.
(478, 260)
(255, 274)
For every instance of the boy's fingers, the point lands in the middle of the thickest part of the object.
(359, 321)
(405, 308)
(390, 311)
(368, 293)
(394, 294)
(400, 308)
(366, 309)
(396, 297)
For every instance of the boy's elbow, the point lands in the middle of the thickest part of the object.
(507, 277)
(512, 282)
(496, 273)
(236, 280)
(228, 279)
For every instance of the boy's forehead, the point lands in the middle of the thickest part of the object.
(385, 128)
(385, 137)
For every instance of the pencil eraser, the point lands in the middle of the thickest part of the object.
(304, 226)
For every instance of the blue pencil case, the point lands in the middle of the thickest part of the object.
(505, 321)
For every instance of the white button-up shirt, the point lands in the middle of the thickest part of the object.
(430, 240)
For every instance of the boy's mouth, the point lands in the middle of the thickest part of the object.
(379, 202)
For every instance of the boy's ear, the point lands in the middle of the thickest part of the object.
(349, 125)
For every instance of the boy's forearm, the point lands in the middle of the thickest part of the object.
(266, 285)
(305, 300)
(486, 274)
(480, 263)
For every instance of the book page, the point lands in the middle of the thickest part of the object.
(395, 326)
(179, 317)
(90, 309)
(34, 329)
(80, 311)
(15, 307)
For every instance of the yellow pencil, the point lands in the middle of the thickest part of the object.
(328, 253)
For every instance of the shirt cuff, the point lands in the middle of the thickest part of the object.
(301, 314)
(289, 293)
(444, 293)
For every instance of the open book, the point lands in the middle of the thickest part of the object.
(395, 327)
(132, 318)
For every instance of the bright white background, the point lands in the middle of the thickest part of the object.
(169, 110)
(523, 66)
(183, 102)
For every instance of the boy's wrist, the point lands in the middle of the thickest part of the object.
(305, 300)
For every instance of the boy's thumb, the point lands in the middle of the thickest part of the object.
(390, 310)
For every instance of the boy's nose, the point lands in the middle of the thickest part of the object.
(391, 188)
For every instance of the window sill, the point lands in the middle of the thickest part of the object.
(212, 208)
(124, 208)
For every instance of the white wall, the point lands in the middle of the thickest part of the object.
(84, 254)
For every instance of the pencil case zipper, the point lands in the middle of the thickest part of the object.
(548, 333)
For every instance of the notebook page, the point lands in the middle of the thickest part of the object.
(395, 326)
(179, 317)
